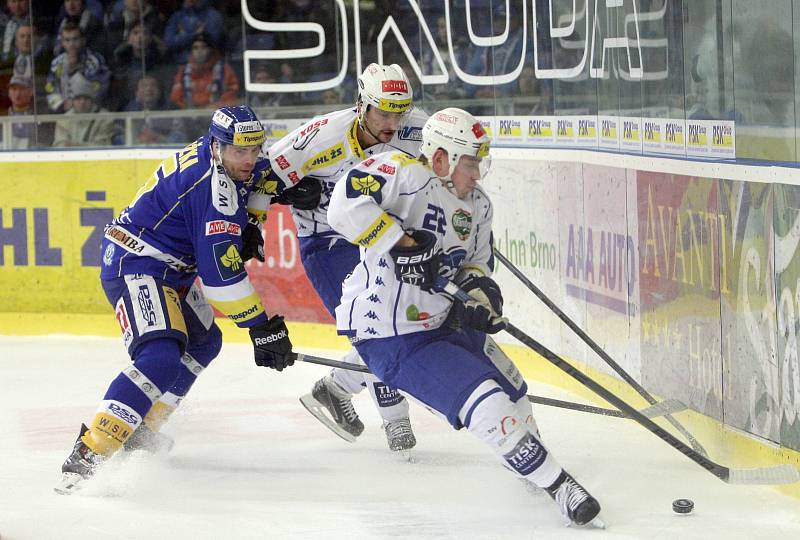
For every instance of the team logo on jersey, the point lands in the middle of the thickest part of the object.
(220, 226)
(229, 262)
(363, 183)
(266, 187)
(462, 223)
(403, 159)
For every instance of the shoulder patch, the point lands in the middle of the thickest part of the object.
(404, 159)
(363, 183)
(307, 134)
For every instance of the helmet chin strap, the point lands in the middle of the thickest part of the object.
(220, 167)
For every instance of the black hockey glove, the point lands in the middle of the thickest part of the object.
(304, 195)
(271, 344)
(252, 240)
(484, 290)
(418, 265)
(484, 313)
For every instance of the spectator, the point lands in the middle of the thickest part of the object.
(18, 11)
(124, 15)
(30, 62)
(453, 88)
(150, 97)
(206, 81)
(72, 131)
(195, 17)
(20, 92)
(260, 100)
(76, 58)
(76, 11)
(138, 55)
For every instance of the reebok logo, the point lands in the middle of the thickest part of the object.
(271, 338)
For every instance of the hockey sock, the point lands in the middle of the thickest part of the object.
(390, 403)
(351, 382)
(132, 394)
(490, 415)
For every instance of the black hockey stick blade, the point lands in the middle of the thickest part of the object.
(779, 474)
(596, 348)
(668, 406)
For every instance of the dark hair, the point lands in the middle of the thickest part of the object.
(71, 26)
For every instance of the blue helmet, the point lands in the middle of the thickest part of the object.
(238, 126)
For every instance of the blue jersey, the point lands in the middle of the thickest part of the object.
(187, 221)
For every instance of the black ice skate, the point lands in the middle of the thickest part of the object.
(399, 435)
(574, 501)
(329, 396)
(79, 465)
(148, 440)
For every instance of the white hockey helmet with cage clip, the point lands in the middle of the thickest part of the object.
(386, 88)
(458, 133)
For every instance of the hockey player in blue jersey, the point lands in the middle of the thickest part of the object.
(306, 165)
(185, 222)
(417, 220)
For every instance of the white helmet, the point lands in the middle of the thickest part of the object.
(384, 87)
(457, 132)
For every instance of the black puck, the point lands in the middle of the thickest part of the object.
(682, 506)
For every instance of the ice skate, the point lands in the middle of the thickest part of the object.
(148, 440)
(79, 466)
(341, 417)
(575, 503)
(399, 435)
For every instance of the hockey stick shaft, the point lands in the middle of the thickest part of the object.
(310, 359)
(597, 349)
(781, 474)
(660, 409)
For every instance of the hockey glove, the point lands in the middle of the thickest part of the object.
(419, 264)
(304, 195)
(484, 312)
(271, 344)
(485, 291)
(252, 240)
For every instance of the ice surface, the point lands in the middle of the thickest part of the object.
(250, 462)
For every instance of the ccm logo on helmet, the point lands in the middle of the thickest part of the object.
(394, 86)
(269, 339)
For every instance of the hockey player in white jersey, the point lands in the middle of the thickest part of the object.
(416, 220)
(307, 163)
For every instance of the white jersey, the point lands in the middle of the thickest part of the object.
(325, 148)
(372, 206)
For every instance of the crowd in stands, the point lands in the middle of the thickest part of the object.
(76, 56)
(71, 57)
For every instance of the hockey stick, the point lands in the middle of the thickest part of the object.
(596, 348)
(660, 409)
(779, 474)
